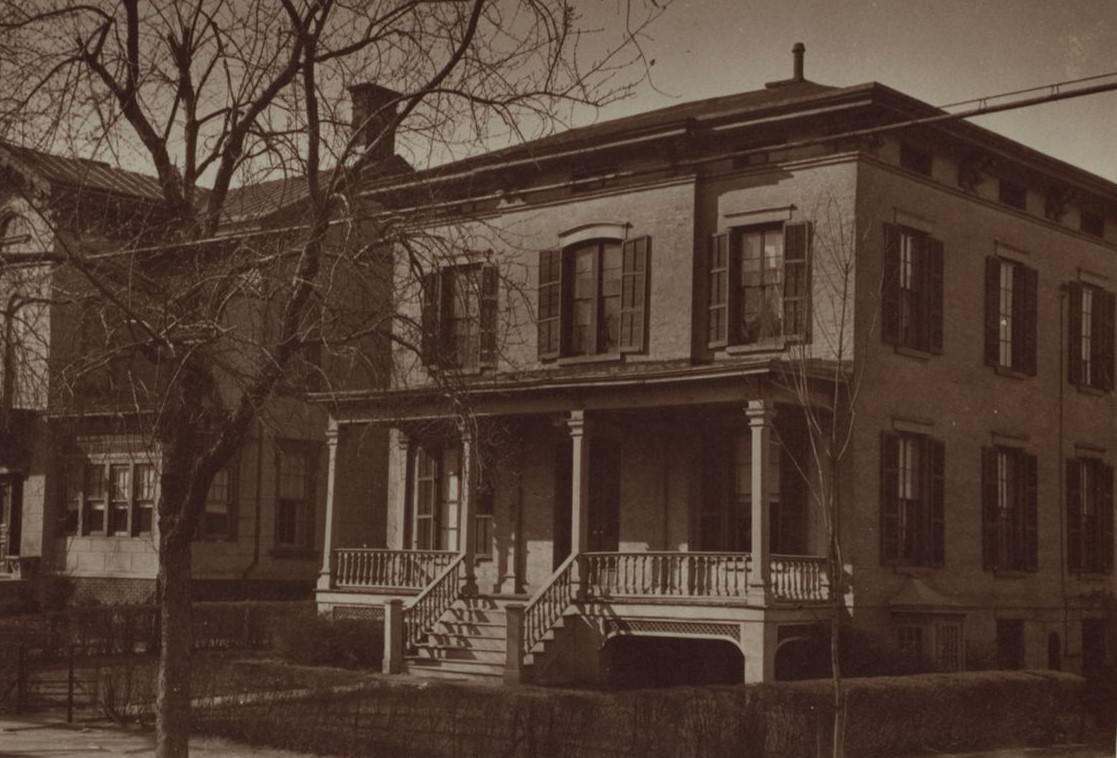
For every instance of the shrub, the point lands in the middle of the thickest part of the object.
(319, 641)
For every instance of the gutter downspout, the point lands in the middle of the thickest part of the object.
(259, 503)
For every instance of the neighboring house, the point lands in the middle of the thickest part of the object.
(606, 334)
(78, 476)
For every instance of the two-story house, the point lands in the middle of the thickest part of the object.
(594, 433)
(79, 473)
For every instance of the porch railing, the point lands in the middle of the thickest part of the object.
(799, 577)
(358, 568)
(667, 574)
(433, 601)
(547, 605)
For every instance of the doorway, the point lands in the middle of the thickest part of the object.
(605, 495)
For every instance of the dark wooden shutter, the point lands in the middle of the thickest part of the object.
(933, 258)
(1074, 334)
(635, 257)
(1104, 344)
(490, 302)
(889, 497)
(1031, 511)
(936, 451)
(431, 321)
(550, 304)
(1026, 285)
(989, 513)
(1105, 513)
(797, 281)
(719, 288)
(890, 286)
(1074, 514)
(992, 311)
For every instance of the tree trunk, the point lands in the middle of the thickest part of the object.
(172, 700)
(837, 596)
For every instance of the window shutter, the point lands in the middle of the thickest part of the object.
(1027, 285)
(550, 304)
(635, 257)
(937, 543)
(992, 311)
(1031, 512)
(1074, 515)
(797, 281)
(431, 320)
(490, 300)
(447, 352)
(989, 492)
(890, 286)
(1105, 513)
(934, 263)
(717, 332)
(1074, 335)
(1105, 342)
(889, 497)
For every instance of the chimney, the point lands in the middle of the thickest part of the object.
(374, 110)
(797, 51)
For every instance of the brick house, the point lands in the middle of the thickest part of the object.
(78, 478)
(606, 325)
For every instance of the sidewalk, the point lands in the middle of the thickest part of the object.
(29, 737)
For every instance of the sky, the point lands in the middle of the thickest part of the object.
(939, 51)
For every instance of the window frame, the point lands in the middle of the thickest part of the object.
(917, 258)
(1091, 336)
(1010, 521)
(203, 531)
(921, 518)
(306, 507)
(1086, 536)
(439, 343)
(1011, 328)
(556, 310)
(727, 292)
(78, 503)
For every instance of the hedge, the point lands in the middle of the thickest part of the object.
(886, 716)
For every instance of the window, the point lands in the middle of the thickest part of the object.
(912, 520)
(1010, 315)
(759, 285)
(1009, 510)
(1089, 516)
(933, 637)
(459, 316)
(427, 491)
(219, 519)
(1013, 194)
(948, 645)
(1092, 223)
(593, 298)
(1090, 338)
(909, 639)
(295, 505)
(914, 159)
(912, 289)
(114, 498)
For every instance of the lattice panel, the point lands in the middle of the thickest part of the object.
(362, 612)
(672, 628)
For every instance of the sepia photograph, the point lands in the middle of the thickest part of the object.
(558, 378)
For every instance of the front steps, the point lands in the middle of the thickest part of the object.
(468, 642)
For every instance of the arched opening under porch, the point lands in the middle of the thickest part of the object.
(650, 661)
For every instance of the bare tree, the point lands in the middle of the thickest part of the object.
(193, 318)
(826, 382)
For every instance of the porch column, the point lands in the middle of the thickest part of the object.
(467, 484)
(325, 575)
(760, 415)
(404, 517)
(580, 488)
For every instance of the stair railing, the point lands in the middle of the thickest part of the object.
(548, 604)
(433, 601)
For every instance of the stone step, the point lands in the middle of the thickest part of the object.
(455, 653)
(467, 641)
(455, 669)
(471, 628)
(486, 616)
